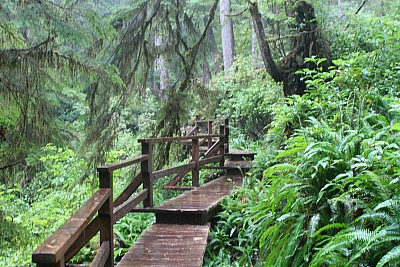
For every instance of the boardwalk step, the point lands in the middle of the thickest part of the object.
(197, 206)
(239, 155)
(168, 245)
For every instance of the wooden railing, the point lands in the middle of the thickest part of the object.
(101, 211)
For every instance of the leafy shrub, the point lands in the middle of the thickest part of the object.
(247, 99)
(235, 233)
(33, 212)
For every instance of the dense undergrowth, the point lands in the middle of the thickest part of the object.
(328, 194)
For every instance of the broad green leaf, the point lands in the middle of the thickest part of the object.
(395, 127)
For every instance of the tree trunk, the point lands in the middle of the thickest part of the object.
(257, 59)
(227, 34)
(161, 66)
(216, 56)
(269, 63)
(340, 8)
(307, 42)
(206, 70)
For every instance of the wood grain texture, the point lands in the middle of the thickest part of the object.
(168, 245)
(53, 249)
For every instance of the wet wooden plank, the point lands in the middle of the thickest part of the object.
(245, 164)
(199, 205)
(102, 254)
(168, 245)
(238, 155)
(204, 197)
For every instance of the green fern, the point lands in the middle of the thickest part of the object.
(393, 256)
(279, 168)
(361, 245)
(329, 227)
(294, 146)
(390, 203)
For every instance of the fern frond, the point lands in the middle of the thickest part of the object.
(321, 149)
(335, 259)
(364, 235)
(279, 168)
(292, 186)
(329, 227)
(268, 235)
(282, 241)
(287, 216)
(289, 152)
(296, 233)
(295, 145)
(347, 144)
(378, 240)
(392, 256)
(344, 239)
(377, 217)
(372, 182)
(390, 203)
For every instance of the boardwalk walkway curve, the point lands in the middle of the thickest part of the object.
(179, 236)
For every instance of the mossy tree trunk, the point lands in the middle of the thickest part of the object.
(307, 41)
(228, 42)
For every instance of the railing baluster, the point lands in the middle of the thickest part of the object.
(222, 144)
(195, 158)
(226, 133)
(147, 176)
(210, 131)
(105, 215)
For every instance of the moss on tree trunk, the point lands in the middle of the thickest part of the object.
(307, 41)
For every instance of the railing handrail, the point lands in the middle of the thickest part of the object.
(53, 249)
(210, 120)
(178, 138)
(121, 164)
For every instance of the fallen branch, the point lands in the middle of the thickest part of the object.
(357, 11)
(360, 6)
(10, 165)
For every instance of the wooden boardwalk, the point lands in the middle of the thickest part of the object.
(179, 236)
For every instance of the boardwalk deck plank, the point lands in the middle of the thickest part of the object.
(168, 245)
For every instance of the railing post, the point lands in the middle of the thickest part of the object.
(147, 173)
(196, 123)
(105, 215)
(226, 133)
(195, 158)
(222, 144)
(210, 131)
